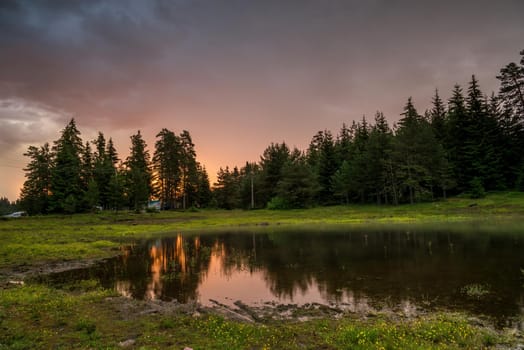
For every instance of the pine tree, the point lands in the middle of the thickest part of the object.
(377, 152)
(117, 192)
(437, 116)
(358, 162)
(296, 188)
(138, 173)
(66, 180)
(405, 150)
(482, 134)
(271, 163)
(189, 169)
(511, 120)
(204, 194)
(512, 89)
(341, 182)
(167, 165)
(343, 144)
(457, 134)
(34, 197)
(326, 167)
(111, 153)
(419, 156)
(90, 191)
(227, 188)
(104, 169)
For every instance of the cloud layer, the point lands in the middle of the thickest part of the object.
(239, 74)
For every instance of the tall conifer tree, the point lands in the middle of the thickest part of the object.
(138, 173)
(34, 197)
(66, 180)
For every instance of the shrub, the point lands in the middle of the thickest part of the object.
(277, 203)
(476, 189)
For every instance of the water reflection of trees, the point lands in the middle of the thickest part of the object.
(384, 267)
(168, 268)
(398, 266)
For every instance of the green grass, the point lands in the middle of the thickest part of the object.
(40, 317)
(85, 316)
(47, 238)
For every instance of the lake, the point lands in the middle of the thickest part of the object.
(404, 270)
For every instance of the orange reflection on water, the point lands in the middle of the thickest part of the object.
(158, 264)
(166, 259)
(197, 243)
(180, 254)
(228, 283)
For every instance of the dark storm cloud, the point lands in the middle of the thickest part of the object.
(323, 47)
(237, 72)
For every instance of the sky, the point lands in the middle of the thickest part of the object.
(238, 74)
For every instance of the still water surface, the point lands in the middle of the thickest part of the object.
(352, 270)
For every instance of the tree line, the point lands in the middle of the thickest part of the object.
(471, 144)
(72, 177)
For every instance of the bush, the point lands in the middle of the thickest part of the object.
(476, 189)
(278, 203)
(70, 204)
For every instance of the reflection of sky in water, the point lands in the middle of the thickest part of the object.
(244, 284)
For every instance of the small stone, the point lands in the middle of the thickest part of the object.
(186, 348)
(196, 314)
(127, 343)
(20, 283)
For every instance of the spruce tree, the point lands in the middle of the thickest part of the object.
(419, 156)
(457, 134)
(512, 89)
(138, 173)
(227, 188)
(104, 169)
(34, 197)
(378, 150)
(117, 189)
(297, 187)
(272, 162)
(203, 195)
(406, 146)
(481, 151)
(511, 119)
(358, 162)
(189, 170)
(341, 183)
(66, 174)
(167, 161)
(343, 144)
(89, 186)
(326, 167)
(437, 116)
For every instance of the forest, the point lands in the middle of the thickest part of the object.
(468, 145)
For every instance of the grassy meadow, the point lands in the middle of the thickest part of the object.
(86, 316)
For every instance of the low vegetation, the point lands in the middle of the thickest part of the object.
(86, 316)
(476, 291)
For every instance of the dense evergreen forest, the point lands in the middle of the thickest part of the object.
(471, 144)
